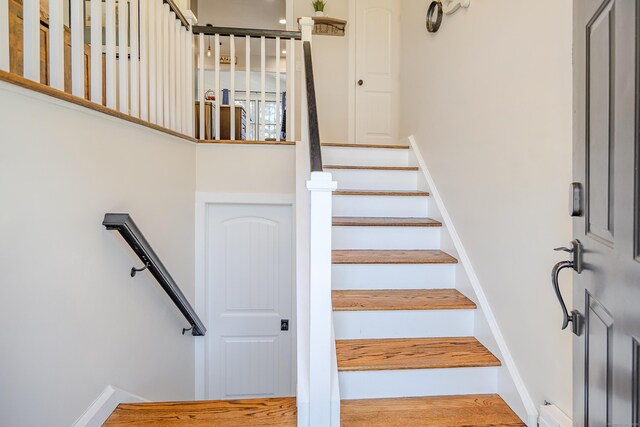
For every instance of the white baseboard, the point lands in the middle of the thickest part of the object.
(531, 413)
(101, 408)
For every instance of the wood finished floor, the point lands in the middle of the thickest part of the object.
(381, 193)
(355, 221)
(392, 257)
(412, 353)
(402, 299)
(238, 413)
(485, 410)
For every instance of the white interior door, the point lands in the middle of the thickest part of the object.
(377, 71)
(249, 292)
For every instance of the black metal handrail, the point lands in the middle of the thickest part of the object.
(123, 223)
(251, 32)
(315, 151)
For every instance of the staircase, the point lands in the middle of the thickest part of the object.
(405, 340)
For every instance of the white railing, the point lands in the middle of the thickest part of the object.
(249, 107)
(145, 55)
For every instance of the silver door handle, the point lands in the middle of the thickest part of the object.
(575, 318)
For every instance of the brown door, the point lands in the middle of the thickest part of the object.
(606, 292)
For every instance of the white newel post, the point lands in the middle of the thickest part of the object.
(321, 187)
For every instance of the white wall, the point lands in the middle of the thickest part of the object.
(489, 100)
(330, 60)
(225, 168)
(242, 13)
(73, 320)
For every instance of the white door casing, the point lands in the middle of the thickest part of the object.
(377, 75)
(249, 277)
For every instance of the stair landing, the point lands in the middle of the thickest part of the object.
(239, 413)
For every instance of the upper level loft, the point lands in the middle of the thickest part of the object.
(151, 63)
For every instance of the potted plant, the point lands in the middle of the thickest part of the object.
(318, 6)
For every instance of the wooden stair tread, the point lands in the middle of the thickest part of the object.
(404, 299)
(340, 144)
(402, 193)
(480, 410)
(346, 221)
(247, 412)
(373, 168)
(392, 257)
(412, 353)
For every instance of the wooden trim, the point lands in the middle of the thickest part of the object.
(179, 15)
(243, 142)
(340, 144)
(63, 96)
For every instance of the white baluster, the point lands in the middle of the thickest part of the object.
(190, 90)
(145, 12)
(96, 50)
(291, 90)
(179, 77)
(278, 95)
(110, 43)
(77, 48)
(172, 70)
(218, 94)
(232, 87)
(123, 56)
(4, 36)
(165, 69)
(31, 46)
(263, 83)
(190, 86)
(56, 43)
(159, 63)
(247, 82)
(201, 83)
(135, 60)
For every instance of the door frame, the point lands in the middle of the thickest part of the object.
(351, 74)
(203, 201)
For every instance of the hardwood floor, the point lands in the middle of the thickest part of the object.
(412, 353)
(237, 413)
(392, 257)
(347, 221)
(400, 299)
(486, 410)
(340, 144)
(373, 168)
(397, 193)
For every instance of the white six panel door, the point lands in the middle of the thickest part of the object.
(377, 71)
(249, 290)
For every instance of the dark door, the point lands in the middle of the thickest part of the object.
(607, 290)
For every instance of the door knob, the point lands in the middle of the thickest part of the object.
(575, 318)
(360, 82)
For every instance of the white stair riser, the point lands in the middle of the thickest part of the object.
(381, 206)
(365, 156)
(351, 325)
(386, 238)
(393, 276)
(417, 382)
(375, 179)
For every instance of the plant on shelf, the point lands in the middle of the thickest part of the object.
(318, 6)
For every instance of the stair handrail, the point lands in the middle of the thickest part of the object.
(124, 224)
(315, 152)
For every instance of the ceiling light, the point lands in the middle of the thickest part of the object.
(284, 52)
(283, 21)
